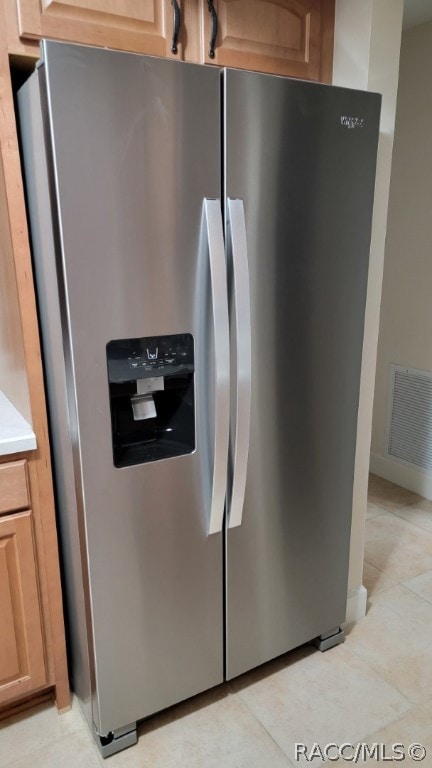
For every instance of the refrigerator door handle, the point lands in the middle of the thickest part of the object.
(238, 258)
(219, 298)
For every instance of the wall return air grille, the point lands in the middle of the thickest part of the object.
(410, 417)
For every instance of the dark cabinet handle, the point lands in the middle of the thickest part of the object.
(214, 30)
(176, 27)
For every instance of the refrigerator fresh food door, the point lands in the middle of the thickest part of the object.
(302, 158)
(135, 152)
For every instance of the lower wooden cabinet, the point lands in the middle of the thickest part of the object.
(22, 664)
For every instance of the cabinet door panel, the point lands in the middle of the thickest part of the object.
(132, 25)
(286, 37)
(22, 665)
(9, 662)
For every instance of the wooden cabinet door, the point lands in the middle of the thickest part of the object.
(22, 665)
(284, 37)
(145, 26)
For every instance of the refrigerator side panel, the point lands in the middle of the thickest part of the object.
(133, 158)
(302, 157)
(73, 554)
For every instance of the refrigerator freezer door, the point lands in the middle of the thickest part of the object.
(307, 179)
(131, 139)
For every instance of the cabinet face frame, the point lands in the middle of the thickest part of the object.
(142, 26)
(22, 662)
(303, 50)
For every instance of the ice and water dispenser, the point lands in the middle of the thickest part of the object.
(151, 387)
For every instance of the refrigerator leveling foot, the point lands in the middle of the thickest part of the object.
(117, 740)
(330, 639)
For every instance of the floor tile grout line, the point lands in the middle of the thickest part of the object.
(388, 513)
(255, 717)
(407, 589)
(46, 745)
(397, 581)
(397, 720)
(401, 517)
(417, 594)
(369, 501)
(368, 562)
(411, 705)
(402, 506)
(380, 674)
(373, 481)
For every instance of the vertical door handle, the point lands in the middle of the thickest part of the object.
(214, 28)
(238, 258)
(176, 26)
(219, 299)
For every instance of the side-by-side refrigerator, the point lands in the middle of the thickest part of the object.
(201, 241)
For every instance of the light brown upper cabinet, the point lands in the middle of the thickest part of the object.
(284, 37)
(131, 25)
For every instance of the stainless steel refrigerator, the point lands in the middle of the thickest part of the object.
(201, 242)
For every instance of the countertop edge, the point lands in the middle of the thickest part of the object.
(16, 434)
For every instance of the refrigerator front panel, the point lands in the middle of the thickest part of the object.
(135, 148)
(302, 158)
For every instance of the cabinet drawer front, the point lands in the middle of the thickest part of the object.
(14, 493)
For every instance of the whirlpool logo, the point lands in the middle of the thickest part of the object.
(352, 122)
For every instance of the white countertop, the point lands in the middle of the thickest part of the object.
(16, 434)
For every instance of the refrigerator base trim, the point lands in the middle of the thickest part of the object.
(117, 740)
(330, 639)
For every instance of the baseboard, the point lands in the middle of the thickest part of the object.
(408, 477)
(356, 605)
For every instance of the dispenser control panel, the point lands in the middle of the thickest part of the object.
(152, 398)
(150, 356)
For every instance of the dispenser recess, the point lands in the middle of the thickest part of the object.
(152, 399)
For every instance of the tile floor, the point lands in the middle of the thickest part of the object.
(377, 687)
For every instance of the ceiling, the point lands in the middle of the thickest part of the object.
(416, 12)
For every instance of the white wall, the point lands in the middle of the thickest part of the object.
(406, 311)
(367, 45)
